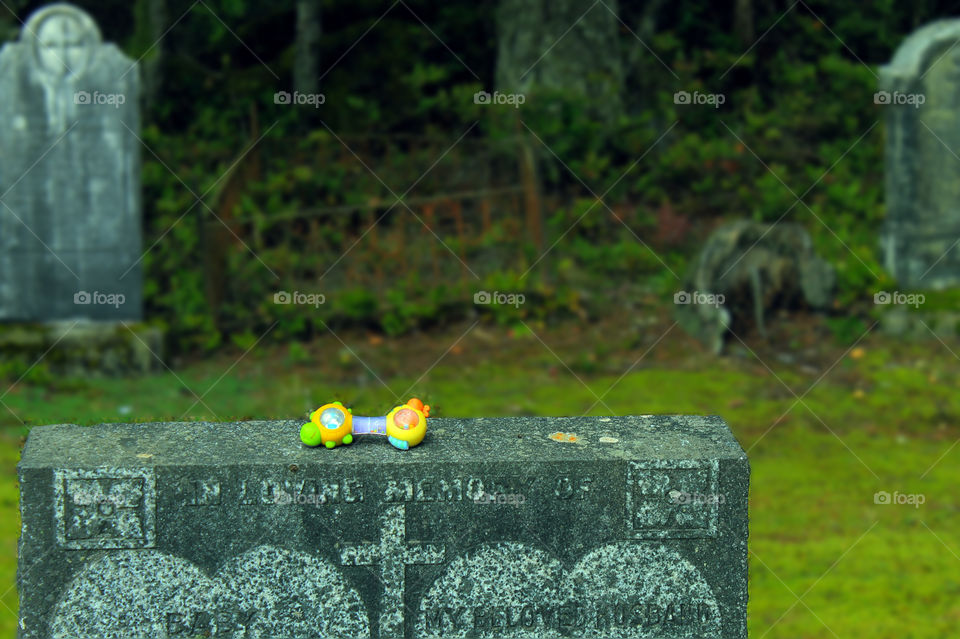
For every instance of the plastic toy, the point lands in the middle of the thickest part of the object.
(334, 425)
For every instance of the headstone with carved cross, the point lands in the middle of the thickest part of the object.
(70, 210)
(627, 527)
(920, 95)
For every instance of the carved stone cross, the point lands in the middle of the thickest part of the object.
(392, 554)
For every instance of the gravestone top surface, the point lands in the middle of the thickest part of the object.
(910, 55)
(447, 440)
(522, 527)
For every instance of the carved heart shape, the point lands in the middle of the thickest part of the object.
(265, 592)
(621, 590)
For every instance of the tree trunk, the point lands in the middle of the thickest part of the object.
(306, 65)
(743, 22)
(152, 19)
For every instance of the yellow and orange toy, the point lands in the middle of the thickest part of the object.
(333, 425)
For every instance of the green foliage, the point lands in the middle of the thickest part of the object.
(298, 354)
(359, 304)
(229, 225)
(846, 330)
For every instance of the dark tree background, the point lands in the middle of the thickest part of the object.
(400, 195)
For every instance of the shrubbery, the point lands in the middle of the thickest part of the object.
(797, 119)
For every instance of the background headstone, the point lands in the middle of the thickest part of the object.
(920, 93)
(745, 272)
(547, 49)
(627, 527)
(70, 210)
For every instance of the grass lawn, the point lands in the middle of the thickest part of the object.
(826, 561)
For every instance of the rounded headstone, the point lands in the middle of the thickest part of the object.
(63, 39)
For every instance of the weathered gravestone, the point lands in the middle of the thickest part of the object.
(745, 272)
(535, 61)
(920, 92)
(70, 220)
(629, 527)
